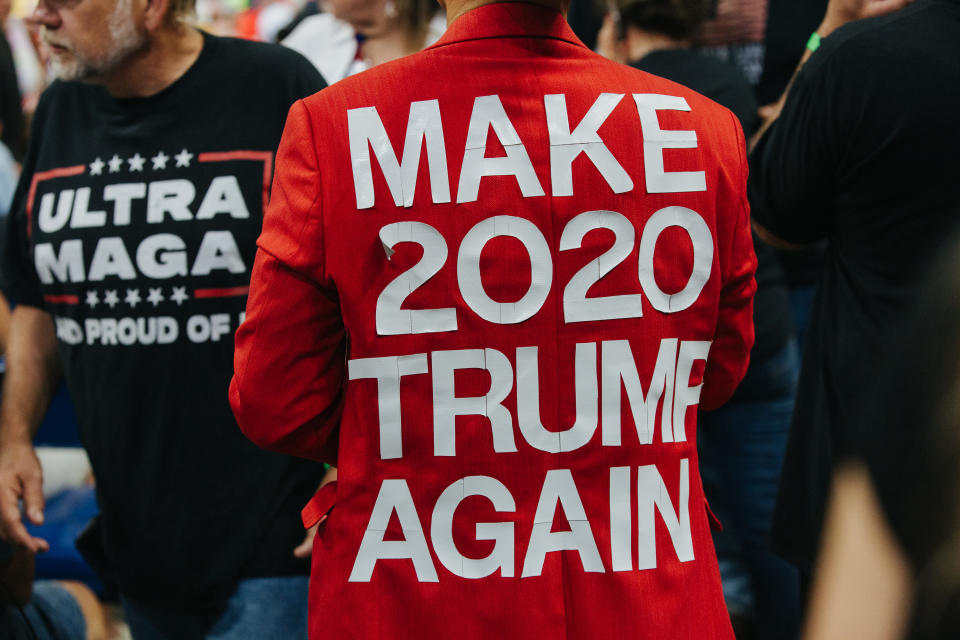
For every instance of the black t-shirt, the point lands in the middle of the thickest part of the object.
(724, 84)
(866, 155)
(134, 225)
(789, 25)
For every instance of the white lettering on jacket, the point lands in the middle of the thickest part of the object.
(366, 131)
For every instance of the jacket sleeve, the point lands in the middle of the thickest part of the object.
(289, 363)
(730, 352)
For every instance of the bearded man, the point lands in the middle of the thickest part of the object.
(128, 250)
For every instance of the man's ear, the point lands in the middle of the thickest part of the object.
(155, 13)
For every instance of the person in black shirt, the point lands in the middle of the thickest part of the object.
(741, 444)
(128, 251)
(864, 154)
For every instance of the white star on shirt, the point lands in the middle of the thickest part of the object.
(115, 163)
(96, 167)
(155, 297)
(111, 298)
(179, 295)
(132, 297)
(160, 160)
(136, 162)
(92, 299)
(183, 158)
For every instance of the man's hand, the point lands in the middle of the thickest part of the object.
(840, 12)
(305, 548)
(21, 479)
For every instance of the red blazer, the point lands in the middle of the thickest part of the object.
(495, 282)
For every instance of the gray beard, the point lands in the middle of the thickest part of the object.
(125, 40)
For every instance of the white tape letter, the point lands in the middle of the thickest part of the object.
(447, 406)
(577, 307)
(652, 496)
(621, 523)
(685, 395)
(441, 529)
(424, 124)
(558, 485)
(528, 401)
(468, 269)
(391, 319)
(565, 145)
(617, 364)
(702, 240)
(655, 140)
(488, 111)
(394, 496)
(387, 371)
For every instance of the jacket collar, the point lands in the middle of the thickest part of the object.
(509, 19)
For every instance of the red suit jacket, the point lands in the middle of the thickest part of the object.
(494, 284)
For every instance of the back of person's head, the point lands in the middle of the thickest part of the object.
(415, 15)
(374, 17)
(677, 19)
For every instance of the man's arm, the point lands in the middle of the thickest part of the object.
(290, 357)
(33, 370)
(839, 13)
(794, 152)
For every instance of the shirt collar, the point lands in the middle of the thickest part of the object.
(509, 19)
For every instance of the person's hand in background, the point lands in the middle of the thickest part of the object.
(305, 548)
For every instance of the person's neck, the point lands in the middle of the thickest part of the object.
(169, 52)
(389, 44)
(456, 8)
(641, 43)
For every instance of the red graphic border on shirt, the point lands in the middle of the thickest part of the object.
(40, 176)
(264, 156)
(216, 156)
(221, 293)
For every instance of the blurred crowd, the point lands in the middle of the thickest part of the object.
(833, 467)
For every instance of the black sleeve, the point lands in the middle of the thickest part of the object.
(18, 277)
(310, 78)
(792, 170)
(306, 79)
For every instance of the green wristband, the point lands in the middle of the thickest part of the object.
(814, 42)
